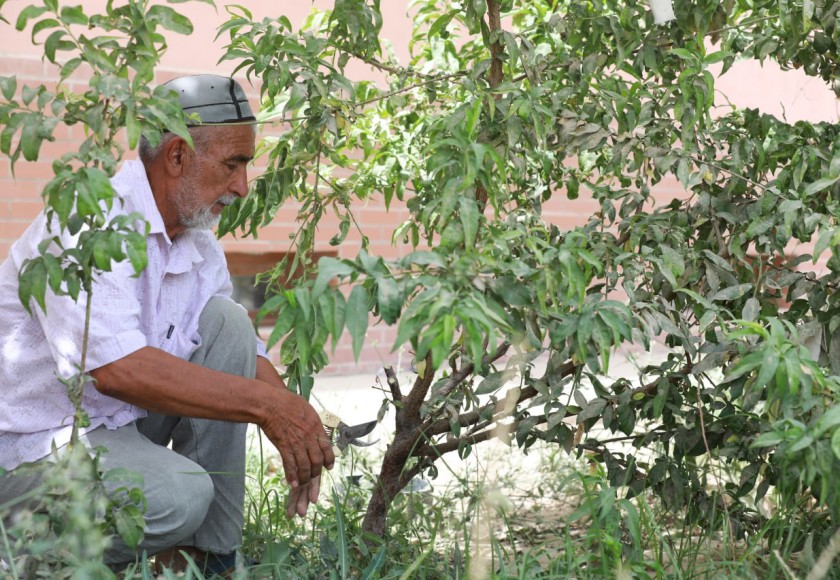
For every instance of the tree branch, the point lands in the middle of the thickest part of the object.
(393, 383)
(457, 377)
(442, 426)
(494, 433)
(409, 415)
(431, 80)
(473, 418)
(494, 22)
(390, 69)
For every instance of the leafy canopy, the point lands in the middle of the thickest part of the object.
(506, 106)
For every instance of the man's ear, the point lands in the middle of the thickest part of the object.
(176, 155)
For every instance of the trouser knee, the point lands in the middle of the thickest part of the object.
(228, 339)
(176, 511)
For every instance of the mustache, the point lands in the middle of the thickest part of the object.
(226, 199)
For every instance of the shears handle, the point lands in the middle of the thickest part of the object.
(331, 421)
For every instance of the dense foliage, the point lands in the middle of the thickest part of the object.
(504, 105)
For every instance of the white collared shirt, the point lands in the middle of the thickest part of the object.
(160, 308)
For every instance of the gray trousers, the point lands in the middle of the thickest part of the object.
(195, 491)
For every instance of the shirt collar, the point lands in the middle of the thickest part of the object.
(133, 182)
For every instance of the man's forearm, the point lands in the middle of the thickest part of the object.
(267, 373)
(157, 381)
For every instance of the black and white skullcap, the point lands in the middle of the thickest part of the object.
(214, 98)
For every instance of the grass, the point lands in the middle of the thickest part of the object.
(499, 514)
(490, 518)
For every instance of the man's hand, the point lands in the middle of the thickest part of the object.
(296, 431)
(300, 497)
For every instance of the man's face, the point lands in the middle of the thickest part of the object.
(215, 176)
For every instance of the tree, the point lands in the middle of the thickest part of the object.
(504, 105)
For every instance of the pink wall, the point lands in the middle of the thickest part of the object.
(747, 84)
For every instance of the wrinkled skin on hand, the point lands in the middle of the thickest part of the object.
(296, 431)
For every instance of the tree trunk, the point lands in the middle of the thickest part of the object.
(388, 485)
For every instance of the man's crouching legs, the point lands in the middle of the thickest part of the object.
(178, 492)
(228, 345)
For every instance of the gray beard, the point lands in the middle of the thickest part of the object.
(203, 219)
(192, 215)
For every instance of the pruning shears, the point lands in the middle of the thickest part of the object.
(342, 435)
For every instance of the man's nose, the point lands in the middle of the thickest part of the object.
(239, 187)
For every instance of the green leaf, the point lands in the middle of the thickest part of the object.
(33, 284)
(732, 292)
(286, 317)
(328, 269)
(439, 25)
(8, 86)
(136, 250)
(389, 298)
(422, 258)
(372, 571)
(133, 128)
(409, 328)
(30, 137)
(55, 42)
(828, 420)
(130, 525)
(752, 308)
(338, 316)
(768, 440)
(303, 334)
(55, 273)
(592, 410)
(357, 317)
(512, 291)
(170, 19)
(835, 443)
(42, 25)
(31, 11)
(821, 184)
(74, 15)
(343, 557)
(296, 97)
(769, 364)
(493, 382)
(469, 219)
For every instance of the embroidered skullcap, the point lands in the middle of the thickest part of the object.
(214, 98)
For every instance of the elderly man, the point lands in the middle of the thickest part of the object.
(174, 360)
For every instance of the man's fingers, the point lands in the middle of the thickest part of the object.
(316, 456)
(302, 502)
(291, 502)
(314, 489)
(290, 467)
(304, 467)
(327, 452)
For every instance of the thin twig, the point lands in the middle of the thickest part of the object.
(393, 383)
(410, 88)
(390, 69)
(457, 377)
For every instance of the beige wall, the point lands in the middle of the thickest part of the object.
(776, 92)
